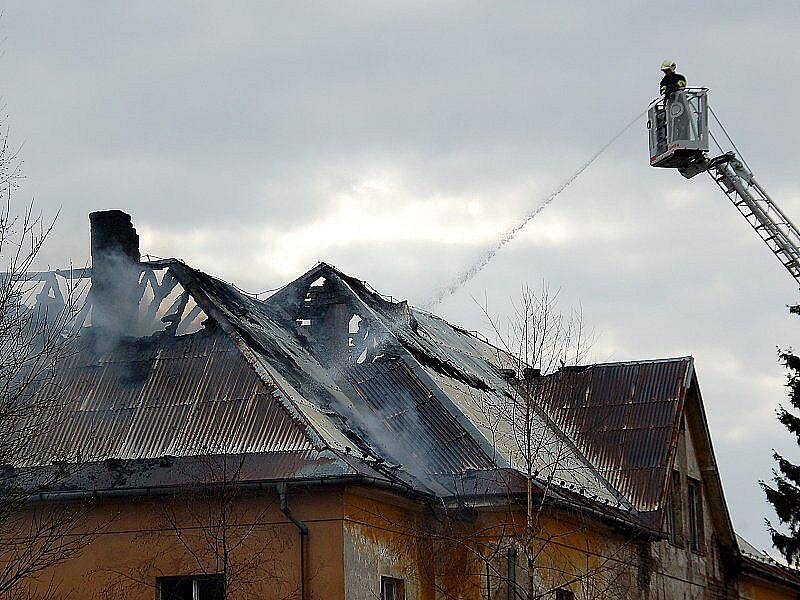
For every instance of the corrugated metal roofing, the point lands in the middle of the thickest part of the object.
(326, 364)
(495, 410)
(166, 396)
(623, 417)
(419, 426)
(418, 370)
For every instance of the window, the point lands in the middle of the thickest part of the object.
(695, 503)
(392, 589)
(507, 572)
(562, 594)
(675, 514)
(191, 587)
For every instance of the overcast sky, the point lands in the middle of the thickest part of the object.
(396, 141)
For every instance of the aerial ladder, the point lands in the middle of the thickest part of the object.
(679, 139)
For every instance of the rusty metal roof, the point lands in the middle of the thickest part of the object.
(166, 396)
(624, 417)
(328, 365)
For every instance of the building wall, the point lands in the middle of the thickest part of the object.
(688, 574)
(145, 538)
(359, 534)
(463, 554)
(575, 552)
(683, 572)
(755, 588)
(383, 537)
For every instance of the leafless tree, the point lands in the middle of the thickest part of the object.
(224, 528)
(36, 333)
(537, 340)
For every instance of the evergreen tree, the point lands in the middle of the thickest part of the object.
(785, 495)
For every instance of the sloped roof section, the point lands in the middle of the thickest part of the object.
(421, 429)
(229, 388)
(166, 396)
(624, 417)
(493, 406)
(762, 564)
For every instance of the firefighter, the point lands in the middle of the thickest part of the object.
(673, 86)
(672, 81)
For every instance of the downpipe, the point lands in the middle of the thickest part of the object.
(303, 529)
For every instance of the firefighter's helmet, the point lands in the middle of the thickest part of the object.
(668, 65)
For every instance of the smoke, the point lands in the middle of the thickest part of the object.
(486, 257)
(114, 298)
(353, 346)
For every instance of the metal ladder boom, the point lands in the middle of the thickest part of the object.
(764, 216)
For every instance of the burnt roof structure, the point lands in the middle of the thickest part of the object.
(327, 368)
(327, 378)
(323, 365)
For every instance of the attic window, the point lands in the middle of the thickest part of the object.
(675, 513)
(392, 589)
(694, 503)
(319, 282)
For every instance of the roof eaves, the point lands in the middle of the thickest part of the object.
(771, 571)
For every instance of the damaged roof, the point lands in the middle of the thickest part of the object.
(413, 386)
(327, 374)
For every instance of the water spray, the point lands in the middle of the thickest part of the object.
(486, 257)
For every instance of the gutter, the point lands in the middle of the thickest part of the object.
(162, 490)
(631, 525)
(303, 529)
(757, 567)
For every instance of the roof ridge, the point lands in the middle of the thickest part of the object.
(473, 334)
(645, 361)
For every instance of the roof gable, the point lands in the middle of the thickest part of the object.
(697, 424)
(624, 417)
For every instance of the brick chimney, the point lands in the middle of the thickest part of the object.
(115, 271)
